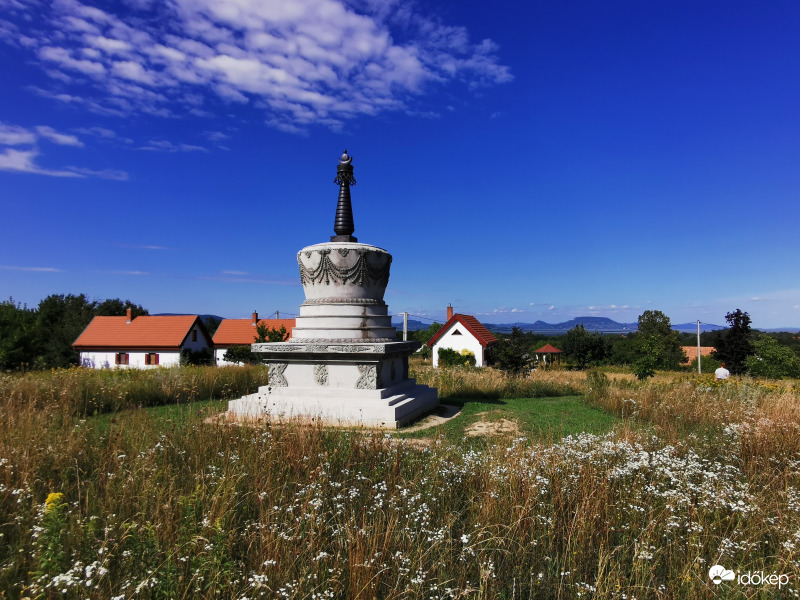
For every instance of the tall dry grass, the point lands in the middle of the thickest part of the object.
(79, 391)
(188, 509)
(488, 383)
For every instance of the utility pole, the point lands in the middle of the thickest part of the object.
(277, 314)
(699, 368)
(405, 326)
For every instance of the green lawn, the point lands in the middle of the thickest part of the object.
(537, 418)
(542, 419)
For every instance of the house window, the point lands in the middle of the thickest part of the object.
(194, 335)
(121, 358)
(456, 332)
(151, 358)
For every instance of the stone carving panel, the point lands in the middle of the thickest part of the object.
(276, 377)
(370, 378)
(321, 374)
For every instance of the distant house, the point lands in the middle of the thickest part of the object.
(547, 355)
(242, 332)
(462, 332)
(691, 352)
(140, 342)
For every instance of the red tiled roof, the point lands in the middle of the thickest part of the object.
(233, 332)
(471, 324)
(547, 348)
(691, 351)
(141, 332)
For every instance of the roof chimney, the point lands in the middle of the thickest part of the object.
(129, 315)
(449, 311)
(255, 318)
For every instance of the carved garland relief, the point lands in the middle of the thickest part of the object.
(362, 272)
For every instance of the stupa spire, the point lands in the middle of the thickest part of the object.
(343, 225)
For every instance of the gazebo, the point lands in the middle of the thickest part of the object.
(546, 351)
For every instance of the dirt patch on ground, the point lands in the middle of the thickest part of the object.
(441, 414)
(502, 427)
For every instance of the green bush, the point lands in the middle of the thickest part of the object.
(450, 358)
(709, 364)
(771, 359)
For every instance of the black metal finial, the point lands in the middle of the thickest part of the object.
(343, 224)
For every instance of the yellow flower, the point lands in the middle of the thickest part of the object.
(53, 499)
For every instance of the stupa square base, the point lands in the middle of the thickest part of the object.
(388, 408)
(341, 383)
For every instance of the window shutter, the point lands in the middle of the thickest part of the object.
(155, 357)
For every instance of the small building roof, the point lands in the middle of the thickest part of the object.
(471, 324)
(547, 349)
(235, 332)
(691, 351)
(167, 331)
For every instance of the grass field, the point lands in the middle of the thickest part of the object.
(608, 488)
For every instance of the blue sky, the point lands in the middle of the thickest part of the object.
(520, 160)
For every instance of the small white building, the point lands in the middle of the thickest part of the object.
(242, 332)
(140, 342)
(462, 332)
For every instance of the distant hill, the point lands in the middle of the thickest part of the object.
(692, 327)
(413, 324)
(600, 324)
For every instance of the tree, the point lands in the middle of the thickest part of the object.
(265, 334)
(17, 328)
(656, 344)
(423, 335)
(585, 347)
(60, 319)
(244, 354)
(771, 359)
(241, 355)
(512, 354)
(735, 345)
(114, 307)
(211, 325)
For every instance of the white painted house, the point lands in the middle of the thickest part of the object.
(140, 342)
(242, 332)
(462, 332)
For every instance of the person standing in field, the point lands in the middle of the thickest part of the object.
(722, 373)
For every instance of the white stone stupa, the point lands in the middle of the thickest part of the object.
(343, 364)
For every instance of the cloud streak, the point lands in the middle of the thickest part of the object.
(21, 153)
(32, 269)
(303, 63)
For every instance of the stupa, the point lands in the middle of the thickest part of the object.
(343, 364)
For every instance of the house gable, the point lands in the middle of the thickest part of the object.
(470, 324)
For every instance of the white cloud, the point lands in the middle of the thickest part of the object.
(63, 58)
(304, 62)
(551, 307)
(61, 139)
(24, 159)
(35, 269)
(112, 174)
(167, 146)
(517, 310)
(14, 135)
